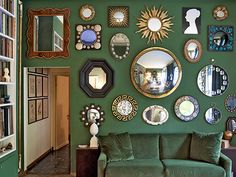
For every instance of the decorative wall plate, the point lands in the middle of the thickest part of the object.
(230, 103)
(88, 37)
(192, 50)
(118, 16)
(212, 115)
(186, 108)
(124, 107)
(154, 24)
(220, 12)
(86, 12)
(92, 114)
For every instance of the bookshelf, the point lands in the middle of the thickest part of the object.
(7, 77)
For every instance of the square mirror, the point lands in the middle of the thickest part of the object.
(118, 16)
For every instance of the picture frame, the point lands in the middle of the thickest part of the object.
(191, 20)
(45, 108)
(39, 109)
(45, 86)
(31, 69)
(31, 111)
(39, 70)
(39, 86)
(31, 86)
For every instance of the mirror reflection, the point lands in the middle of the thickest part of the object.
(231, 124)
(87, 12)
(124, 107)
(97, 78)
(155, 72)
(48, 33)
(212, 80)
(92, 115)
(230, 103)
(193, 50)
(155, 115)
(220, 38)
(186, 108)
(154, 24)
(88, 37)
(118, 16)
(212, 115)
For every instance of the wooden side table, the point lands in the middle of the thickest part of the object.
(86, 162)
(231, 153)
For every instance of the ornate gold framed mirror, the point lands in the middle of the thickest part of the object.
(192, 50)
(156, 72)
(86, 12)
(220, 12)
(48, 33)
(118, 16)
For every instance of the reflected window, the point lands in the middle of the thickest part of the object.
(97, 78)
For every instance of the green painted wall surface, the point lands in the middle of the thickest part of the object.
(9, 166)
(123, 85)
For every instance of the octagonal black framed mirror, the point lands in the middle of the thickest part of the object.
(96, 78)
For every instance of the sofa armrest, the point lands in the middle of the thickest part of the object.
(101, 164)
(226, 163)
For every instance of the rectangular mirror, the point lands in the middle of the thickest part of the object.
(48, 33)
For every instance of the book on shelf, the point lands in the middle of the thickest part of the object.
(6, 121)
(8, 5)
(7, 24)
(6, 47)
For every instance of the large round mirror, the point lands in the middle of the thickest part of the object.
(230, 103)
(119, 46)
(221, 38)
(156, 72)
(212, 80)
(212, 115)
(186, 108)
(155, 115)
(193, 50)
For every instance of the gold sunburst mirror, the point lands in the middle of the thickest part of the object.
(118, 16)
(154, 24)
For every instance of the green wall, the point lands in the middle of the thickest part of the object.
(123, 85)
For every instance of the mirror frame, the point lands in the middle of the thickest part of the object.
(137, 58)
(226, 106)
(86, 6)
(227, 123)
(30, 32)
(84, 78)
(199, 45)
(84, 118)
(112, 23)
(218, 120)
(150, 108)
(223, 9)
(133, 103)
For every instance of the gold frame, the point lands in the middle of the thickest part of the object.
(112, 10)
(199, 45)
(220, 8)
(142, 53)
(86, 6)
(133, 103)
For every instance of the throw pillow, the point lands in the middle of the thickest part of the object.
(206, 147)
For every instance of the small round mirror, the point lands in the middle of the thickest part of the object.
(88, 37)
(118, 17)
(220, 13)
(230, 103)
(221, 38)
(186, 108)
(192, 50)
(86, 12)
(154, 24)
(231, 124)
(97, 78)
(212, 116)
(212, 80)
(155, 115)
(119, 46)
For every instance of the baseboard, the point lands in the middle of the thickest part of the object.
(73, 174)
(61, 146)
(30, 166)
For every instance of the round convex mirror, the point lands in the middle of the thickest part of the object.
(154, 24)
(119, 46)
(118, 16)
(212, 80)
(220, 38)
(212, 116)
(155, 115)
(230, 103)
(88, 37)
(86, 12)
(156, 72)
(220, 12)
(192, 50)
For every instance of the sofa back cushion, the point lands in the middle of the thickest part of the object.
(175, 146)
(145, 146)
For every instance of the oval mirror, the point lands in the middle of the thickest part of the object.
(230, 103)
(193, 50)
(220, 12)
(155, 115)
(212, 116)
(231, 124)
(156, 72)
(86, 12)
(212, 80)
(119, 46)
(220, 38)
(186, 108)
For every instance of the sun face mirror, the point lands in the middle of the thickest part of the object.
(155, 115)
(220, 38)
(92, 114)
(119, 46)
(156, 72)
(186, 108)
(86, 12)
(124, 107)
(192, 50)
(212, 80)
(118, 16)
(230, 103)
(48, 33)
(96, 78)
(88, 37)
(212, 116)
(231, 124)
(220, 13)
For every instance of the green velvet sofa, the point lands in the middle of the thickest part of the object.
(165, 155)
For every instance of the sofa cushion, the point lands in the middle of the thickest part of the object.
(135, 168)
(206, 147)
(189, 168)
(175, 146)
(145, 146)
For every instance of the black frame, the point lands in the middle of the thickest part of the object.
(44, 108)
(29, 75)
(35, 119)
(36, 81)
(84, 78)
(37, 102)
